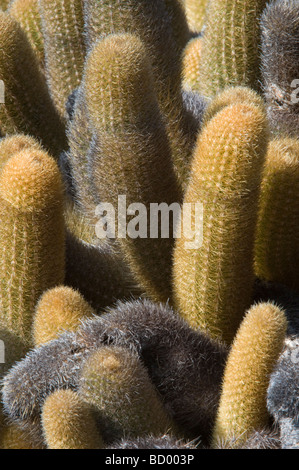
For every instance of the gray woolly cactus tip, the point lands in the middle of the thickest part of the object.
(186, 366)
(280, 64)
(283, 391)
(283, 394)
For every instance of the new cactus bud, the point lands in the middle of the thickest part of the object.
(26, 12)
(59, 309)
(277, 249)
(230, 48)
(232, 95)
(31, 236)
(213, 261)
(28, 107)
(196, 14)
(11, 145)
(280, 65)
(253, 355)
(69, 423)
(131, 157)
(116, 383)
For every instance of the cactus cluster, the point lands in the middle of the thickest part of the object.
(149, 174)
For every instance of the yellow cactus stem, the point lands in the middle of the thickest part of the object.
(69, 423)
(4, 4)
(131, 157)
(277, 237)
(115, 382)
(176, 12)
(196, 14)
(230, 49)
(26, 12)
(232, 95)
(62, 25)
(151, 22)
(59, 309)
(213, 262)
(11, 145)
(32, 236)
(254, 353)
(28, 107)
(191, 60)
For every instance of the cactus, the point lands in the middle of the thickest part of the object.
(131, 155)
(191, 60)
(280, 64)
(31, 236)
(213, 281)
(4, 4)
(261, 439)
(62, 25)
(283, 393)
(59, 309)
(69, 423)
(229, 96)
(28, 107)
(196, 106)
(79, 134)
(26, 12)
(189, 387)
(151, 21)
(13, 436)
(230, 48)
(152, 442)
(12, 349)
(115, 382)
(99, 272)
(276, 249)
(180, 29)
(255, 350)
(11, 145)
(196, 13)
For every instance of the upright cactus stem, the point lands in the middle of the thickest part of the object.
(256, 348)
(31, 236)
(230, 50)
(4, 4)
(26, 12)
(280, 65)
(154, 22)
(28, 107)
(69, 423)
(115, 382)
(62, 22)
(277, 237)
(213, 280)
(196, 14)
(131, 156)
